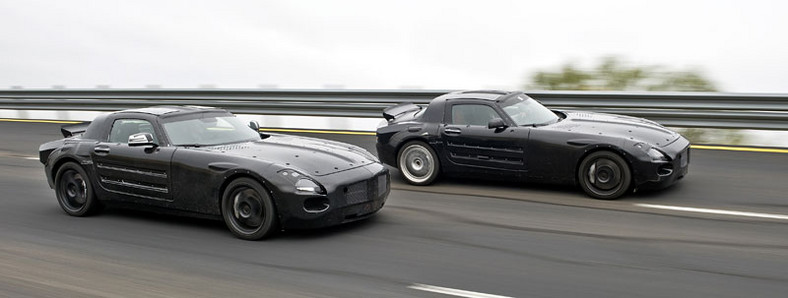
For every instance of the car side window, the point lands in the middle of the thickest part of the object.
(123, 128)
(472, 114)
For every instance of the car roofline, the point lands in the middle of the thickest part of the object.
(491, 95)
(171, 110)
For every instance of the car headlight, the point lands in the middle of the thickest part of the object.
(308, 186)
(657, 156)
(302, 183)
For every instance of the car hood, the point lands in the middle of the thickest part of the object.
(626, 127)
(315, 157)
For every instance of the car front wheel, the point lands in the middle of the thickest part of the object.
(418, 163)
(248, 210)
(604, 175)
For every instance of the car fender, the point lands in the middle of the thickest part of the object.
(271, 185)
(67, 151)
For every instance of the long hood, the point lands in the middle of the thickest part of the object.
(311, 156)
(632, 128)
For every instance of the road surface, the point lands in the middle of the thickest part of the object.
(458, 237)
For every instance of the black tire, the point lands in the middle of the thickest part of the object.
(74, 190)
(604, 175)
(248, 210)
(418, 163)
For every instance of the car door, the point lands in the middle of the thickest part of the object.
(471, 143)
(135, 171)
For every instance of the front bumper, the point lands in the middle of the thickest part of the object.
(661, 175)
(351, 195)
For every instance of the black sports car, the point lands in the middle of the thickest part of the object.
(508, 134)
(206, 162)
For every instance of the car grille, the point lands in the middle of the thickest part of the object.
(357, 193)
(366, 190)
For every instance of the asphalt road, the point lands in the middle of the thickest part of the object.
(489, 237)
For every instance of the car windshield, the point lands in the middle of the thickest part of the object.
(527, 111)
(210, 130)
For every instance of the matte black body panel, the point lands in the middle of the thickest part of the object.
(548, 154)
(191, 180)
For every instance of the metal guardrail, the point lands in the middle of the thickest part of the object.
(685, 109)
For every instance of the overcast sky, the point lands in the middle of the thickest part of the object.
(740, 45)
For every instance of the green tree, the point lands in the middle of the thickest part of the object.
(611, 73)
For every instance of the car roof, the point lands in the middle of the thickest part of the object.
(435, 109)
(479, 94)
(171, 110)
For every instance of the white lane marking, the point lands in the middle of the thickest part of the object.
(31, 158)
(716, 211)
(453, 292)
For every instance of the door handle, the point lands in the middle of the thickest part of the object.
(101, 149)
(452, 131)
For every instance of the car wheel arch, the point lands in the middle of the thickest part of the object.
(601, 147)
(242, 173)
(63, 160)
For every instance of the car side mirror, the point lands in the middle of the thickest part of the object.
(254, 125)
(141, 139)
(496, 123)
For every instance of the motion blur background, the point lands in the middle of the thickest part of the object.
(732, 46)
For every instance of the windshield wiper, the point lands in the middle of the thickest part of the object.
(196, 145)
(545, 123)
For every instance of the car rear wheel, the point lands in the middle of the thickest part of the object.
(74, 191)
(604, 175)
(248, 210)
(418, 163)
